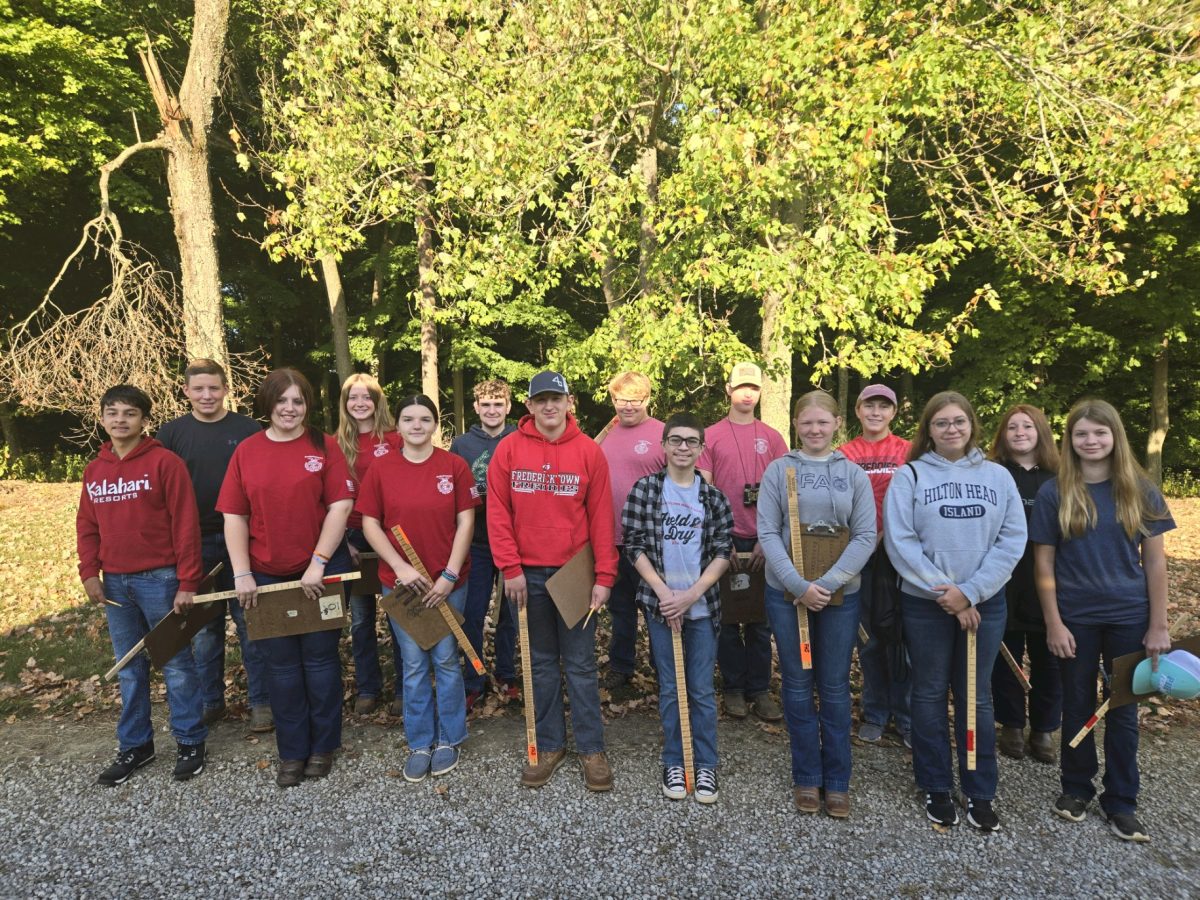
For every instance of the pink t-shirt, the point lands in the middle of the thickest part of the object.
(737, 455)
(631, 453)
(879, 459)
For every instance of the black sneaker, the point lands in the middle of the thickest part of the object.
(1071, 808)
(126, 763)
(1128, 828)
(981, 816)
(190, 761)
(706, 786)
(674, 784)
(940, 809)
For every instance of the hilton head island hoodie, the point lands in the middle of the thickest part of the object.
(546, 499)
(138, 513)
(958, 523)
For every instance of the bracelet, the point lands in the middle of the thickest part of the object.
(321, 556)
(241, 575)
(450, 576)
(320, 560)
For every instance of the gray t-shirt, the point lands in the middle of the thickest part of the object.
(683, 519)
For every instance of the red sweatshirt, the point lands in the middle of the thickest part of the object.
(138, 513)
(546, 499)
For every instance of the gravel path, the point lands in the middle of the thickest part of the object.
(365, 832)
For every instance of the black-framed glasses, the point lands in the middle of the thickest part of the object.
(632, 403)
(691, 442)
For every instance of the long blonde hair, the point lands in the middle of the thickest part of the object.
(347, 433)
(1076, 511)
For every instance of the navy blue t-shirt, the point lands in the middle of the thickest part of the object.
(1098, 577)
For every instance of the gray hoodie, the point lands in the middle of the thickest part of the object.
(832, 490)
(958, 523)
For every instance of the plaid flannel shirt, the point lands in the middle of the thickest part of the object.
(642, 521)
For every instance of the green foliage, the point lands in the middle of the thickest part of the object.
(1181, 483)
(42, 467)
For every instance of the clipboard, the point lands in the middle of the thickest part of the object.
(368, 585)
(1123, 666)
(823, 546)
(290, 612)
(571, 586)
(743, 595)
(174, 632)
(424, 624)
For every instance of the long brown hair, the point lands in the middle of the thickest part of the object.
(922, 441)
(274, 386)
(1130, 484)
(347, 433)
(1046, 452)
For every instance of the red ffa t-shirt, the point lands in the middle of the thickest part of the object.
(424, 498)
(285, 488)
(371, 448)
(737, 455)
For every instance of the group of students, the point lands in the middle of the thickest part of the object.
(1062, 558)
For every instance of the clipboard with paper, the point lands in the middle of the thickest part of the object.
(823, 546)
(571, 586)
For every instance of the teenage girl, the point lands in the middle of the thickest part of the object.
(430, 493)
(1101, 570)
(1024, 445)
(366, 432)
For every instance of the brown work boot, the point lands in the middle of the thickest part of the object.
(1011, 741)
(319, 765)
(364, 706)
(808, 799)
(837, 804)
(261, 719)
(735, 704)
(290, 773)
(597, 776)
(547, 765)
(1041, 746)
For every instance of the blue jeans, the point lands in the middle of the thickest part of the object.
(744, 651)
(1079, 764)
(624, 608)
(557, 651)
(364, 639)
(146, 597)
(1045, 695)
(428, 720)
(480, 580)
(886, 677)
(304, 679)
(208, 646)
(699, 659)
(937, 647)
(820, 742)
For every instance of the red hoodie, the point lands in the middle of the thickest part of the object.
(546, 499)
(138, 513)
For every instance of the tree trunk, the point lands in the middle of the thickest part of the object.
(908, 396)
(186, 121)
(647, 237)
(1159, 419)
(777, 376)
(378, 328)
(460, 402)
(8, 427)
(427, 299)
(336, 296)
(276, 344)
(843, 392)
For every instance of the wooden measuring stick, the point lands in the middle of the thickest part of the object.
(271, 588)
(447, 612)
(125, 660)
(685, 719)
(1016, 667)
(612, 423)
(1090, 724)
(798, 561)
(531, 751)
(972, 699)
(862, 633)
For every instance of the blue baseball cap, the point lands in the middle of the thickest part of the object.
(548, 382)
(1178, 676)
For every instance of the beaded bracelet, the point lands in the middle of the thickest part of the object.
(450, 576)
(320, 560)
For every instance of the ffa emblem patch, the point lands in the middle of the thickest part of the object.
(445, 484)
(313, 463)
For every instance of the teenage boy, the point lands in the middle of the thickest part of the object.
(493, 401)
(548, 495)
(886, 685)
(737, 451)
(679, 534)
(633, 448)
(205, 440)
(137, 522)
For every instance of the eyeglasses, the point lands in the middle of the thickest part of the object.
(961, 424)
(677, 441)
(625, 401)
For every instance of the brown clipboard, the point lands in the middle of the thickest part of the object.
(424, 624)
(823, 546)
(290, 612)
(1121, 683)
(743, 595)
(174, 632)
(571, 586)
(368, 585)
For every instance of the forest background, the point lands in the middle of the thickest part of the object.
(991, 196)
